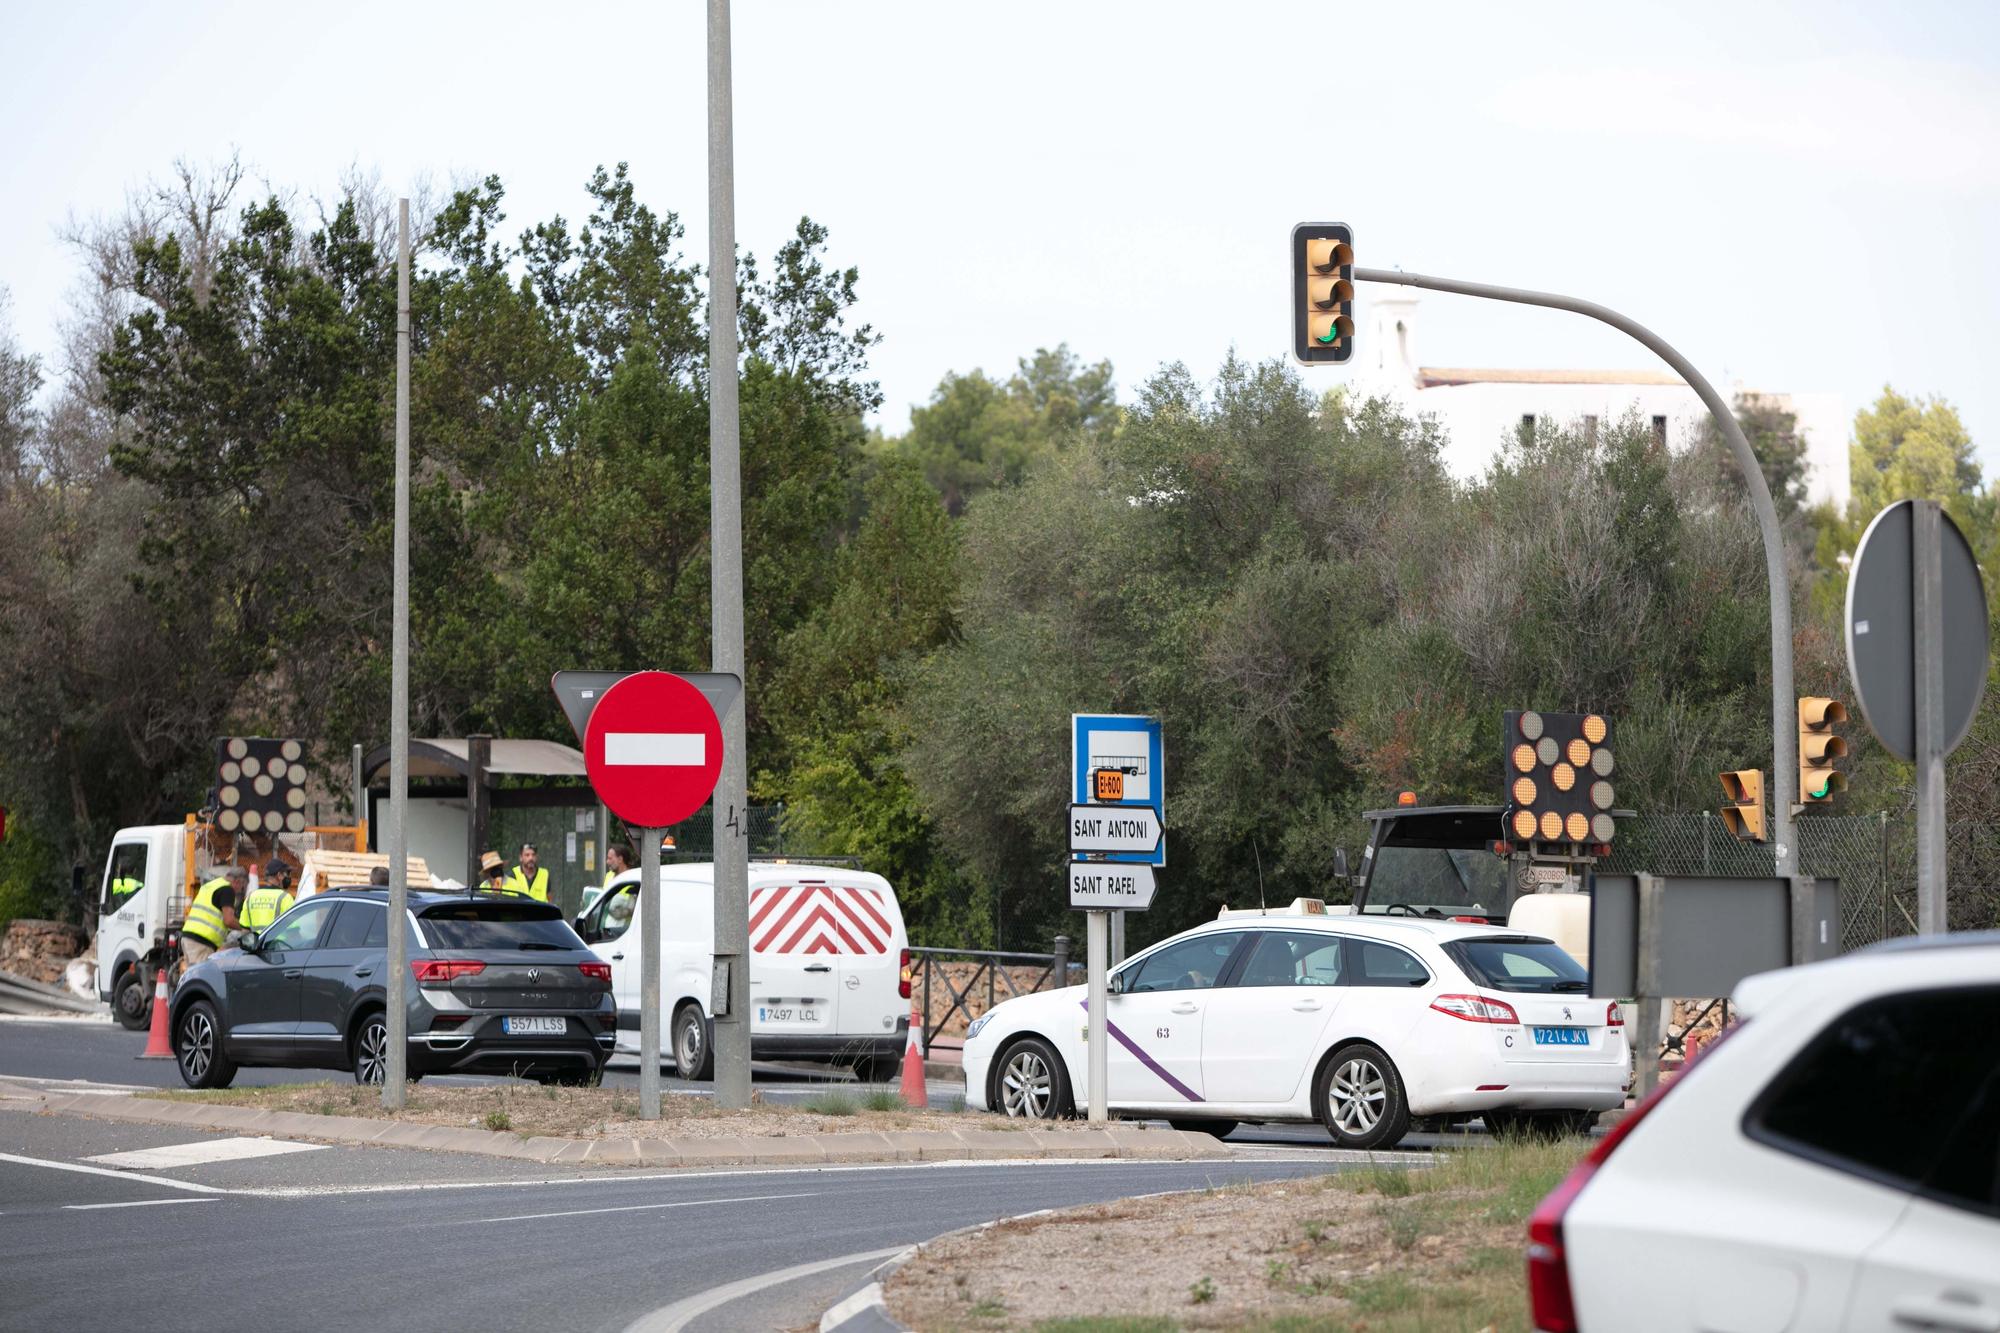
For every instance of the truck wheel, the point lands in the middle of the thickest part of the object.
(131, 1001)
(693, 1058)
(198, 1048)
(1360, 1098)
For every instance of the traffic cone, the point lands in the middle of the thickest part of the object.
(913, 1064)
(157, 1046)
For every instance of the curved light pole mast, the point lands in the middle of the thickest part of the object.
(1784, 744)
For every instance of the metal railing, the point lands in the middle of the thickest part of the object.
(996, 969)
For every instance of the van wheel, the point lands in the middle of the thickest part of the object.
(694, 1058)
(878, 1069)
(198, 1048)
(1360, 1098)
(1029, 1082)
(131, 1001)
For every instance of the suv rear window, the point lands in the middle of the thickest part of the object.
(491, 925)
(1500, 962)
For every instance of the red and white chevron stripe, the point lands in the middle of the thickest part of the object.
(818, 918)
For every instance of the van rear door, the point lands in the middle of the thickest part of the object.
(792, 976)
(870, 970)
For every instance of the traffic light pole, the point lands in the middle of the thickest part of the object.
(1784, 744)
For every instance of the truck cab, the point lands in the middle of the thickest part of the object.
(143, 890)
(1440, 861)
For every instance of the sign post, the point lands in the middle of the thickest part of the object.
(652, 744)
(1116, 837)
(1917, 652)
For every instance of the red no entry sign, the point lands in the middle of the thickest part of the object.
(653, 749)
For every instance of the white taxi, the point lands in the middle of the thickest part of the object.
(1361, 1023)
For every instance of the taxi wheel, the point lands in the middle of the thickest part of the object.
(1029, 1082)
(1360, 1098)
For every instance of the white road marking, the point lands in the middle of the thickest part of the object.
(135, 1203)
(201, 1152)
(673, 1318)
(638, 1208)
(677, 748)
(83, 1170)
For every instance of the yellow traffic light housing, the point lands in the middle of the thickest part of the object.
(1818, 748)
(1322, 292)
(1743, 816)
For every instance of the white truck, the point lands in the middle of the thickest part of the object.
(152, 870)
(829, 965)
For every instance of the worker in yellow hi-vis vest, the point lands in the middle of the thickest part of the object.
(529, 879)
(212, 914)
(271, 899)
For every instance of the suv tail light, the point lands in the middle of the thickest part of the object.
(903, 977)
(1476, 1009)
(444, 971)
(1614, 1017)
(596, 971)
(1551, 1304)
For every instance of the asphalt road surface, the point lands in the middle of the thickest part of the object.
(54, 1051)
(101, 1222)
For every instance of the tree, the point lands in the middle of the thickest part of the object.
(1775, 440)
(1909, 449)
(977, 433)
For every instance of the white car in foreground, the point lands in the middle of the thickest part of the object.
(1833, 1164)
(1294, 1014)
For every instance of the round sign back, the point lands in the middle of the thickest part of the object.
(653, 749)
(1881, 632)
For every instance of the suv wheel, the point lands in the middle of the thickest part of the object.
(1360, 1098)
(198, 1048)
(692, 1057)
(371, 1050)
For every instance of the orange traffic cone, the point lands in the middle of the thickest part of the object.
(913, 1064)
(157, 1046)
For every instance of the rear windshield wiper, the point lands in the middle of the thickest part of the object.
(1570, 985)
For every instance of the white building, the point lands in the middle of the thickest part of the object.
(1482, 409)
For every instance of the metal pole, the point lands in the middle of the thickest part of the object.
(1652, 1007)
(1927, 603)
(1117, 938)
(398, 980)
(725, 490)
(650, 926)
(1784, 744)
(1096, 947)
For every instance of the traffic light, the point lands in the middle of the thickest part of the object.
(1322, 292)
(1558, 777)
(1818, 748)
(1743, 789)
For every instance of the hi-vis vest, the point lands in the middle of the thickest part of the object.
(538, 888)
(263, 907)
(204, 920)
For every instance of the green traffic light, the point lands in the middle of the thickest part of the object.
(1332, 334)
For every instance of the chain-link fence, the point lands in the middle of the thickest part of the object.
(1873, 856)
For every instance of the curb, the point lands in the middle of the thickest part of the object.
(806, 1150)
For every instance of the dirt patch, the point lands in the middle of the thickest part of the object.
(590, 1113)
(1387, 1248)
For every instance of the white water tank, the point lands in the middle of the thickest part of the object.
(1562, 917)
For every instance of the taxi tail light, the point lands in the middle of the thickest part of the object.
(1551, 1303)
(1476, 1009)
(596, 971)
(903, 976)
(444, 971)
(1615, 1016)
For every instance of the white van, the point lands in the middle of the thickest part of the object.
(829, 965)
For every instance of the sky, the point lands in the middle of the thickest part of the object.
(1800, 197)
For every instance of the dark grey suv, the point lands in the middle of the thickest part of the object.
(498, 985)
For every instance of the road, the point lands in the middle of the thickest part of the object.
(395, 1238)
(90, 1051)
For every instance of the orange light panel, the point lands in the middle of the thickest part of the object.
(1552, 825)
(1600, 763)
(1603, 827)
(1531, 726)
(1600, 794)
(1524, 824)
(1547, 750)
(1524, 758)
(1594, 729)
(1524, 791)
(1578, 827)
(1578, 752)
(1565, 777)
